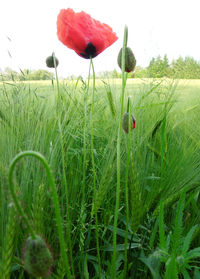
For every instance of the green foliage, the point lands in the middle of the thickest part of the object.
(186, 68)
(9, 244)
(164, 162)
(140, 72)
(182, 68)
(26, 74)
(174, 250)
(158, 67)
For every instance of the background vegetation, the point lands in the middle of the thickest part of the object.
(159, 67)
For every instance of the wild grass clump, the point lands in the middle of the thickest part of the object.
(159, 179)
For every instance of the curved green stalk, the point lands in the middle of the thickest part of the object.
(42, 159)
(118, 156)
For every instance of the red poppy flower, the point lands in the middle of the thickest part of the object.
(86, 36)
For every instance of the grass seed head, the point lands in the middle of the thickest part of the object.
(37, 257)
(130, 61)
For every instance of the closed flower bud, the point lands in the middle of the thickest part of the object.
(37, 257)
(50, 62)
(125, 122)
(130, 61)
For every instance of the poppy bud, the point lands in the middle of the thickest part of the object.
(125, 121)
(130, 60)
(37, 257)
(50, 61)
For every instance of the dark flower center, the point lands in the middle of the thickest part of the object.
(90, 51)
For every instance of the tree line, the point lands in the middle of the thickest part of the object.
(159, 67)
(9, 74)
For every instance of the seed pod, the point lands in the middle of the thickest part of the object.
(50, 61)
(37, 257)
(126, 120)
(130, 61)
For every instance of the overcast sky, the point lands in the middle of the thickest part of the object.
(28, 32)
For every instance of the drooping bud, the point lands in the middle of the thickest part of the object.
(125, 122)
(130, 61)
(50, 62)
(37, 257)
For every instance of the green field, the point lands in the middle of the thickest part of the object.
(157, 223)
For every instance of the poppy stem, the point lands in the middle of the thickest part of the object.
(94, 171)
(126, 186)
(83, 200)
(42, 159)
(15, 198)
(119, 156)
(57, 83)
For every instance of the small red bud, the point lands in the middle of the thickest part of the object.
(125, 122)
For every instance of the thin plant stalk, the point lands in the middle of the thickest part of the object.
(83, 201)
(63, 167)
(118, 157)
(126, 187)
(84, 135)
(42, 159)
(93, 168)
(57, 84)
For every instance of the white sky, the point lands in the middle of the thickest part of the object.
(156, 27)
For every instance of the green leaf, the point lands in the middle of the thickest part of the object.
(122, 233)
(171, 269)
(185, 274)
(121, 247)
(196, 273)
(176, 237)
(194, 253)
(153, 263)
(86, 273)
(153, 234)
(188, 240)
(162, 237)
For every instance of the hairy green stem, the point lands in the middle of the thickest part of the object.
(42, 159)
(119, 157)
(57, 84)
(93, 168)
(126, 187)
(84, 135)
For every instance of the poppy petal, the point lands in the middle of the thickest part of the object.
(86, 36)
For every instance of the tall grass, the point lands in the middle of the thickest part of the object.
(163, 163)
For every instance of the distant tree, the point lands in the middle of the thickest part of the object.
(140, 72)
(187, 68)
(158, 67)
(10, 74)
(115, 74)
(109, 74)
(166, 71)
(178, 68)
(40, 75)
(192, 68)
